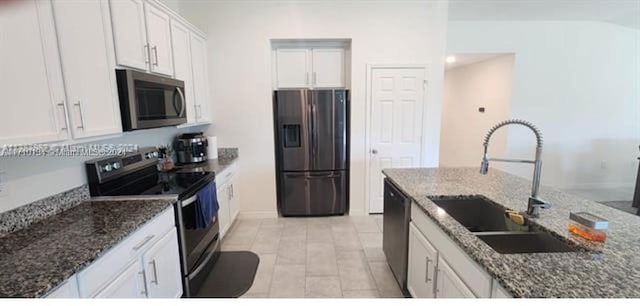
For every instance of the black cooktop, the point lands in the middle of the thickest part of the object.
(183, 182)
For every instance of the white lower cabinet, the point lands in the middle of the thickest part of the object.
(162, 268)
(146, 264)
(437, 267)
(227, 198)
(68, 289)
(128, 284)
(423, 258)
(449, 284)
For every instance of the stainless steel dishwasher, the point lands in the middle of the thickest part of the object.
(395, 234)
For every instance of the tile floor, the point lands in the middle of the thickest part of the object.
(326, 257)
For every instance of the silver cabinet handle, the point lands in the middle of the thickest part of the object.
(155, 54)
(315, 79)
(64, 113)
(145, 241)
(144, 283)
(427, 278)
(233, 192)
(146, 54)
(81, 126)
(155, 272)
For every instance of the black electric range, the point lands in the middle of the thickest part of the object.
(136, 174)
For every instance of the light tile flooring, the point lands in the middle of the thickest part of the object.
(324, 257)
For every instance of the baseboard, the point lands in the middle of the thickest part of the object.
(257, 214)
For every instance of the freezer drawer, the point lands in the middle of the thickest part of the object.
(313, 193)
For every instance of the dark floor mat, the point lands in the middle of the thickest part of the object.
(231, 276)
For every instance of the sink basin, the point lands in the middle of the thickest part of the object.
(476, 213)
(525, 242)
(486, 219)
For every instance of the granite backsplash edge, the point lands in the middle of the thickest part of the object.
(25, 215)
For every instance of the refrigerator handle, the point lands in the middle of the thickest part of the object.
(324, 176)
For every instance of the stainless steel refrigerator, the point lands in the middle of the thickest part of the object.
(312, 151)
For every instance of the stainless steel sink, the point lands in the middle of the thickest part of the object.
(476, 213)
(487, 220)
(525, 242)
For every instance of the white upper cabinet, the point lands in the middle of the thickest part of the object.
(328, 68)
(293, 68)
(310, 68)
(162, 266)
(182, 65)
(200, 78)
(159, 38)
(33, 108)
(129, 33)
(88, 67)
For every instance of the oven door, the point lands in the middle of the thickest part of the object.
(149, 101)
(196, 240)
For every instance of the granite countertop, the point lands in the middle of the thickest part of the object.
(41, 256)
(609, 269)
(226, 157)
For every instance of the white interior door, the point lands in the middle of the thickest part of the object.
(397, 102)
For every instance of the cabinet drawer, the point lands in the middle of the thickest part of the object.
(473, 275)
(102, 271)
(226, 174)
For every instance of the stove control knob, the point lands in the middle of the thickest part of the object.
(107, 168)
(115, 166)
(155, 153)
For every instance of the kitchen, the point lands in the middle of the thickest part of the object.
(231, 60)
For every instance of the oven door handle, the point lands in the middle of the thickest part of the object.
(189, 201)
(204, 262)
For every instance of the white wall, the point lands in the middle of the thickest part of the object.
(239, 33)
(580, 83)
(32, 178)
(466, 88)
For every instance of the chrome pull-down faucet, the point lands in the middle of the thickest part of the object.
(535, 204)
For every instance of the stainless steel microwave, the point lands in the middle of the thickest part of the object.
(150, 101)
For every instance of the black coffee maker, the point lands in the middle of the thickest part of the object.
(191, 148)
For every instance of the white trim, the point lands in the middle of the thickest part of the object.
(367, 132)
(257, 214)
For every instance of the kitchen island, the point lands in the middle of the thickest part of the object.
(609, 269)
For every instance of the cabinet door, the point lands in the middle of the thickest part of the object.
(129, 284)
(84, 38)
(33, 108)
(223, 212)
(200, 78)
(68, 289)
(182, 65)
(328, 68)
(233, 202)
(449, 284)
(159, 37)
(162, 268)
(292, 68)
(129, 33)
(423, 258)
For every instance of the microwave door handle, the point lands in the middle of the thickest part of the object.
(183, 101)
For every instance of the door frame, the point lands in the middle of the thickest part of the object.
(368, 112)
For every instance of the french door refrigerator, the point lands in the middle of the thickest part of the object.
(312, 151)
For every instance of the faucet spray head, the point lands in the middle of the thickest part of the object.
(484, 166)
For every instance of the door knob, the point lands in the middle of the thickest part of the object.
(374, 151)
